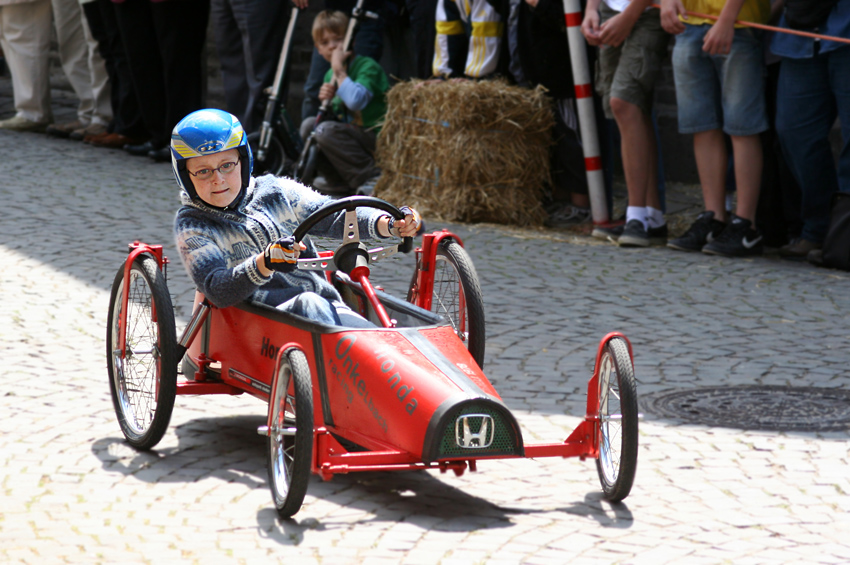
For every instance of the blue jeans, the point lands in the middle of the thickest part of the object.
(720, 91)
(312, 306)
(811, 93)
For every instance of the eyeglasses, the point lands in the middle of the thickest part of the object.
(224, 168)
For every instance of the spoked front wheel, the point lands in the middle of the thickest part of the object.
(457, 296)
(143, 381)
(291, 434)
(618, 421)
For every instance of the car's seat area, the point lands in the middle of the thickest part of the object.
(404, 313)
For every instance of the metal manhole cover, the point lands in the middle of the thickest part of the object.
(753, 407)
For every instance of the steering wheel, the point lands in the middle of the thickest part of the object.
(352, 253)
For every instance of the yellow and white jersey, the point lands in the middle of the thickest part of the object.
(470, 30)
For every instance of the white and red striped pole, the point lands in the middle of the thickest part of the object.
(586, 113)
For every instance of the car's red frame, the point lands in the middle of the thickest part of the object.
(384, 399)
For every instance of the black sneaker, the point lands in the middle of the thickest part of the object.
(739, 239)
(702, 231)
(634, 235)
(658, 236)
(654, 236)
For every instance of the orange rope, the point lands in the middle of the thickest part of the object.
(771, 28)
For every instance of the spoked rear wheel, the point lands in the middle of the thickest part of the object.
(618, 421)
(143, 382)
(291, 434)
(457, 296)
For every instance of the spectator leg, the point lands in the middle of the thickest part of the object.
(249, 38)
(74, 54)
(25, 38)
(748, 166)
(711, 157)
(181, 30)
(126, 114)
(450, 45)
(485, 41)
(805, 113)
(839, 63)
(228, 36)
(100, 86)
(350, 150)
(639, 153)
(422, 20)
(569, 176)
(138, 35)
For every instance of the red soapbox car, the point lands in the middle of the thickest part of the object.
(407, 394)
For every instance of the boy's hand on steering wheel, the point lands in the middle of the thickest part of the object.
(410, 226)
(282, 255)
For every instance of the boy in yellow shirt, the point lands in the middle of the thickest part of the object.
(718, 69)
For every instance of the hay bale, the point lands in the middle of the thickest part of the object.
(466, 151)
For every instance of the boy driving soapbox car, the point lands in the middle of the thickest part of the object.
(407, 394)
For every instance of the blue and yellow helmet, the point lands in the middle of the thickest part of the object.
(206, 132)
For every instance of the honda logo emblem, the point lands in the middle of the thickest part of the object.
(475, 431)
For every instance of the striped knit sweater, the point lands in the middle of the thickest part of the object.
(218, 246)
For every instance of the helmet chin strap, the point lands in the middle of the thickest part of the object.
(236, 200)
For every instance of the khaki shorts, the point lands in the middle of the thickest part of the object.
(629, 72)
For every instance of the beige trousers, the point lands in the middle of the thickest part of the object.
(100, 86)
(82, 63)
(25, 38)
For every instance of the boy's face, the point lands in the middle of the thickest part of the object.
(328, 42)
(223, 186)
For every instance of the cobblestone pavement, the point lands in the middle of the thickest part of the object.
(72, 491)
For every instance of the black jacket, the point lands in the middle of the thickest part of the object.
(544, 52)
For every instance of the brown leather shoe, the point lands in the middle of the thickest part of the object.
(89, 130)
(798, 249)
(115, 141)
(64, 130)
(91, 137)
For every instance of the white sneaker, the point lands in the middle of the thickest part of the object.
(568, 215)
(19, 123)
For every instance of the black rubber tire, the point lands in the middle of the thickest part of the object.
(144, 384)
(275, 161)
(618, 421)
(456, 282)
(290, 455)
